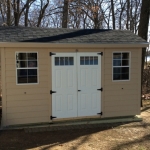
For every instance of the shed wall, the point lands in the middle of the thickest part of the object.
(122, 98)
(32, 103)
(26, 103)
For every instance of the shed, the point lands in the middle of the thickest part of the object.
(53, 74)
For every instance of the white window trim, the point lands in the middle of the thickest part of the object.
(27, 68)
(122, 66)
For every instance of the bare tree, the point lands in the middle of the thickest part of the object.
(110, 14)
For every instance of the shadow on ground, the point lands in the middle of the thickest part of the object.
(18, 139)
(144, 109)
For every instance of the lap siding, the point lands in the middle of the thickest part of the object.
(30, 108)
(27, 120)
(31, 114)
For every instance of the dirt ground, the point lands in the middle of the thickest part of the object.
(129, 136)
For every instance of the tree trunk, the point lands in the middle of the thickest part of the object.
(95, 16)
(65, 14)
(113, 14)
(42, 12)
(16, 7)
(26, 14)
(143, 29)
(128, 12)
(8, 13)
(131, 18)
(18, 11)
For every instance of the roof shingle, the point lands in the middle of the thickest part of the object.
(62, 35)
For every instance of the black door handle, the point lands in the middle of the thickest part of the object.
(79, 90)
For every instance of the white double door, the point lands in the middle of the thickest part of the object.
(76, 78)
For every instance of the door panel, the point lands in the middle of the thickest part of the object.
(64, 82)
(88, 82)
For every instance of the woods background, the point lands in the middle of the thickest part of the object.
(98, 14)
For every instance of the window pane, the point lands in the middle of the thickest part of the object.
(116, 62)
(125, 62)
(95, 60)
(125, 55)
(117, 70)
(22, 79)
(32, 56)
(125, 70)
(22, 75)
(62, 61)
(66, 61)
(32, 64)
(81, 60)
(32, 72)
(32, 79)
(87, 62)
(116, 76)
(116, 55)
(21, 56)
(21, 64)
(71, 61)
(91, 60)
(21, 72)
(56, 61)
(125, 76)
(121, 73)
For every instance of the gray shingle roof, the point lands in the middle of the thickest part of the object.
(62, 35)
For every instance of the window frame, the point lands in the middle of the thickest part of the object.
(121, 66)
(27, 68)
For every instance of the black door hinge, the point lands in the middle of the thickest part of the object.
(51, 54)
(51, 92)
(52, 117)
(101, 53)
(100, 113)
(100, 89)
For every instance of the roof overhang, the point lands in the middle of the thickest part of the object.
(71, 45)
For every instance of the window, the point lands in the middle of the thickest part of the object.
(26, 68)
(121, 66)
(64, 61)
(89, 60)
